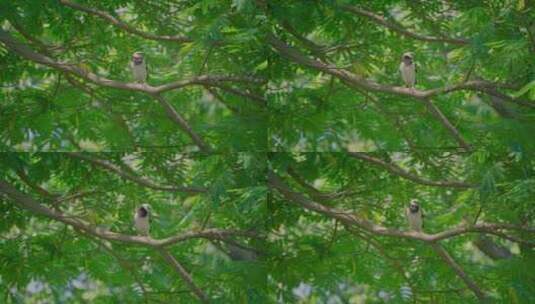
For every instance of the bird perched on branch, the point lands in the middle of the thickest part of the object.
(139, 67)
(407, 68)
(141, 219)
(415, 216)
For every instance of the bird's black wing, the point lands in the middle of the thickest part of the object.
(423, 222)
(415, 82)
(146, 71)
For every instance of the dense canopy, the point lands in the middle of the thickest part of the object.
(67, 86)
(274, 149)
(335, 85)
(78, 224)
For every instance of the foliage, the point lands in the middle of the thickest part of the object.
(234, 200)
(43, 110)
(351, 265)
(316, 111)
(277, 147)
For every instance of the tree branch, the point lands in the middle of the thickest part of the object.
(184, 274)
(491, 249)
(399, 28)
(316, 49)
(118, 23)
(137, 179)
(348, 218)
(218, 97)
(312, 191)
(74, 196)
(24, 51)
(168, 108)
(394, 169)
(261, 101)
(459, 271)
(357, 81)
(24, 201)
(447, 124)
(26, 179)
(184, 125)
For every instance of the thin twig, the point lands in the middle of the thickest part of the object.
(118, 23)
(184, 274)
(395, 169)
(137, 179)
(399, 28)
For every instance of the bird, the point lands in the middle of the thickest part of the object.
(407, 68)
(414, 215)
(141, 219)
(139, 67)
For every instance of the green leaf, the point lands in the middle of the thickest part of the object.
(528, 87)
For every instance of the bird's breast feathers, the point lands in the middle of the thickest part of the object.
(408, 73)
(141, 224)
(139, 71)
(415, 219)
(404, 68)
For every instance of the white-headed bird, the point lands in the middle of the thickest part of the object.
(415, 216)
(141, 219)
(139, 67)
(407, 68)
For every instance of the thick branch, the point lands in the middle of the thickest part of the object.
(357, 81)
(118, 23)
(24, 51)
(399, 28)
(394, 169)
(460, 272)
(139, 180)
(184, 125)
(349, 218)
(24, 201)
(184, 274)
